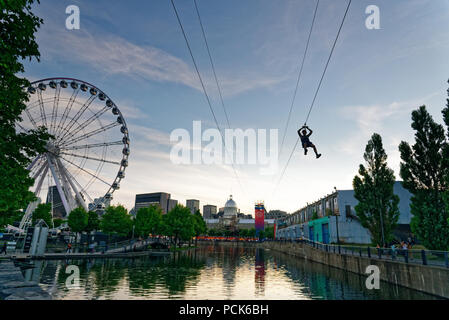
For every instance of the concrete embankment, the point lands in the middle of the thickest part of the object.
(429, 279)
(13, 285)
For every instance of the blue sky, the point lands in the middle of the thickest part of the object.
(135, 52)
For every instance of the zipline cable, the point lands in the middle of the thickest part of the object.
(212, 64)
(203, 87)
(299, 77)
(316, 93)
(327, 63)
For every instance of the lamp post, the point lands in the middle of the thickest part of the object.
(336, 222)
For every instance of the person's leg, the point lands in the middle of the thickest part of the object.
(304, 145)
(316, 152)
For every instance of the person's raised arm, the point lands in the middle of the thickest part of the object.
(310, 132)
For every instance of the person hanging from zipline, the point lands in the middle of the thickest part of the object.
(304, 135)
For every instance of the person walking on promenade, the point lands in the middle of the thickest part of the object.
(4, 247)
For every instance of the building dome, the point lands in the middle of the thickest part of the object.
(230, 209)
(230, 203)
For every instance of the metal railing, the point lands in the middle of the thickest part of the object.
(412, 256)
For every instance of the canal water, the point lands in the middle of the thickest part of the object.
(209, 272)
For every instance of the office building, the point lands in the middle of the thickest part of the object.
(193, 205)
(209, 211)
(160, 198)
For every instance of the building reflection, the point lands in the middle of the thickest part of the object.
(260, 271)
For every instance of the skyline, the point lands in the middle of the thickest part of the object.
(143, 64)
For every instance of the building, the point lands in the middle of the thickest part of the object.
(209, 211)
(57, 208)
(160, 198)
(171, 204)
(275, 214)
(193, 205)
(230, 219)
(332, 219)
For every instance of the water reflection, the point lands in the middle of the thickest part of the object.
(212, 272)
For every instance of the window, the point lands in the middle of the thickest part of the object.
(336, 210)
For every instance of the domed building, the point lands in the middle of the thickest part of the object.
(231, 219)
(230, 209)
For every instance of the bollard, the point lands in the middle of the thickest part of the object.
(379, 253)
(406, 256)
(446, 260)
(360, 251)
(369, 252)
(339, 249)
(423, 257)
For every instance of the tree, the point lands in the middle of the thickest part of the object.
(57, 222)
(17, 27)
(424, 169)
(116, 221)
(93, 222)
(243, 233)
(43, 211)
(252, 232)
(373, 188)
(148, 220)
(446, 155)
(77, 220)
(178, 224)
(199, 226)
(269, 232)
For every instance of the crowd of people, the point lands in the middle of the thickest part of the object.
(396, 245)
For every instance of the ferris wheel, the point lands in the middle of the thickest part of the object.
(86, 158)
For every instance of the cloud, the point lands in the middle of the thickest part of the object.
(114, 55)
(373, 117)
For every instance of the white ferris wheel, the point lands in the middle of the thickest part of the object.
(86, 159)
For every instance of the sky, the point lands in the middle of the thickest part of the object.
(135, 52)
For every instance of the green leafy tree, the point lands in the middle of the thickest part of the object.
(446, 156)
(252, 232)
(178, 224)
(57, 222)
(77, 220)
(17, 28)
(116, 221)
(199, 226)
(93, 222)
(148, 221)
(373, 188)
(424, 169)
(43, 211)
(269, 232)
(228, 233)
(243, 233)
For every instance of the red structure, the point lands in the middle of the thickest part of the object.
(260, 216)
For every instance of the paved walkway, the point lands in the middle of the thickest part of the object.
(13, 285)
